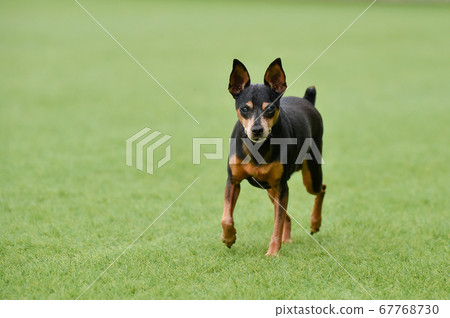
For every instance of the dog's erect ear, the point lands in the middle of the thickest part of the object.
(275, 77)
(239, 78)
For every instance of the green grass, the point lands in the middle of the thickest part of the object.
(70, 97)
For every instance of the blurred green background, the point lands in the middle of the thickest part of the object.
(70, 97)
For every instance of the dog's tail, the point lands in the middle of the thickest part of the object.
(310, 94)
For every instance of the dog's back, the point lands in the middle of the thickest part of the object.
(305, 122)
(303, 116)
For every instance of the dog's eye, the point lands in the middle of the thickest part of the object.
(270, 109)
(245, 109)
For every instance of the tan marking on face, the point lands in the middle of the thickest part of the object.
(249, 104)
(270, 173)
(268, 123)
(246, 123)
(264, 105)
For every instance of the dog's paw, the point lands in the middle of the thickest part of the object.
(272, 253)
(315, 225)
(229, 237)
(287, 241)
(274, 246)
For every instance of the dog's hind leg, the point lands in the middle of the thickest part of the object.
(312, 179)
(316, 215)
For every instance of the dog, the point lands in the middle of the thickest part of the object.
(266, 119)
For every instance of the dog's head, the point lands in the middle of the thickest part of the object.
(257, 105)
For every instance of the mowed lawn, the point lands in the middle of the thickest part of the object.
(70, 97)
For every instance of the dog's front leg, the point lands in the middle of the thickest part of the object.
(232, 190)
(280, 195)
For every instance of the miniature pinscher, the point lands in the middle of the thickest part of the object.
(267, 121)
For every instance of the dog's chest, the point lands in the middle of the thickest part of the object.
(270, 173)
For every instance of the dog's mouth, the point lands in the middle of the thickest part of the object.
(258, 140)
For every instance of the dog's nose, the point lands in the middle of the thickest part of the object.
(257, 131)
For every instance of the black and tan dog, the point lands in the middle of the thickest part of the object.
(265, 117)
